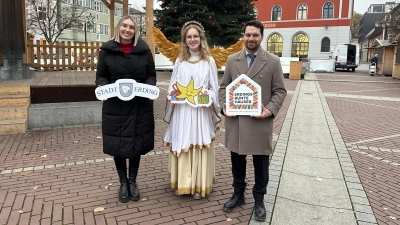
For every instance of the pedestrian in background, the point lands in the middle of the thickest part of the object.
(127, 126)
(374, 59)
(252, 135)
(191, 130)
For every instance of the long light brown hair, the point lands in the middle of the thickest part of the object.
(117, 38)
(184, 54)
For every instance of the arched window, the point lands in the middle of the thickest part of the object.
(325, 44)
(300, 46)
(275, 44)
(302, 12)
(276, 13)
(328, 10)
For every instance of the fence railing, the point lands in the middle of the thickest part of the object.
(63, 55)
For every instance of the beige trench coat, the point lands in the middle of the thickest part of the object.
(243, 134)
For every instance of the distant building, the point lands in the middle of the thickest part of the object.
(99, 28)
(95, 22)
(139, 16)
(305, 28)
(367, 31)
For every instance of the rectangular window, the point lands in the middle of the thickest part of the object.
(42, 13)
(118, 11)
(377, 8)
(97, 6)
(101, 29)
(107, 29)
(93, 30)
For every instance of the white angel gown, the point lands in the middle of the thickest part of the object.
(191, 130)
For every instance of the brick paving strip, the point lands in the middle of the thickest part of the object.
(368, 122)
(360, 204)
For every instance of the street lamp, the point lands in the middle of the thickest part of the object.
(386, 24)
(88, 23)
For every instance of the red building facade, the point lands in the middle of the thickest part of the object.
(304, 28)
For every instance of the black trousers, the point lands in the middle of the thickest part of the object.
(261, 174)
(120, 163)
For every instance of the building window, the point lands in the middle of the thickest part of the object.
(276, 13)
(275, 44)
(300, 46)
(325, 44)
(94, 28)
(328, 10)
(42, 13)
(97, 6)
(118, 11)
(302, 12)
(98, 37)
(377, 8)
(101, 29)
(107, 29)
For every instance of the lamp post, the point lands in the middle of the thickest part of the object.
(89, 20)
(382, 24)
(386, 24)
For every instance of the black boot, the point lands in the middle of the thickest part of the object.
(236, 200)
(124, 188)
(134, 194)
(260, 214)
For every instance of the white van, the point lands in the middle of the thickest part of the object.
(346, 56)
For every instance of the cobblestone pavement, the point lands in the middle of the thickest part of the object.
(366, 111)
(61, 176)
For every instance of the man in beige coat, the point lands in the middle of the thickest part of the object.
(252, 135)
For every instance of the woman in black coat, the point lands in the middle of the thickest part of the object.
(127, 126)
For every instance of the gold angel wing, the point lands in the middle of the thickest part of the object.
(238, 46)
(221, 55)
(166, 47)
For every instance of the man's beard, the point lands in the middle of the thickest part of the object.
(254, 47)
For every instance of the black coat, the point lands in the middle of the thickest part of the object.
(128, 126)
(374, 60)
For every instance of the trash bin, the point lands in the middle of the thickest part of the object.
(295, 70)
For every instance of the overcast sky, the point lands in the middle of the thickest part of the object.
(360, 6)
(142, 3)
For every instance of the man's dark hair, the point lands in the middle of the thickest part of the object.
(254, 23)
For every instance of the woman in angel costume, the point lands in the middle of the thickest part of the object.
(191, 130)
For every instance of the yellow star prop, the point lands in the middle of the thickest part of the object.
(188, 92)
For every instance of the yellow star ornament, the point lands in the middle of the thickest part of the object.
(188, 92)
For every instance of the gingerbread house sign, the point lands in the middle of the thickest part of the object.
(243, 97)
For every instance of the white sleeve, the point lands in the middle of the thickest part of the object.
(214, 83)
(174, 75)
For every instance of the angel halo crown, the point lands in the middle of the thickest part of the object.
(193, 22)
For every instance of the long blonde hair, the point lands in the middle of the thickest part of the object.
(184, 54)
(117, 38)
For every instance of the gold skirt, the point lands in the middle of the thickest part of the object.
(193, 171)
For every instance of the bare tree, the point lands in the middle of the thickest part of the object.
(49, 18)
